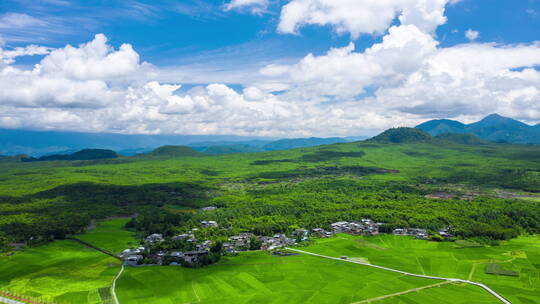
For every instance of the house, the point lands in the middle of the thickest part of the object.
(241, 240)
(445, 232)
(203, 246)
(177, 254)
(339, 227)
(190, 237)
(194, 256)
(322, 233)
(209, 208)
(129, 252)
(155, 238)
(133, 260)
(300, 234)
(416, 232)
(400, 231)
(208, 224)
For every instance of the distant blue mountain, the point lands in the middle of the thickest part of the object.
(493, 128)
(38, 143)
(45, 143)
(260, 146)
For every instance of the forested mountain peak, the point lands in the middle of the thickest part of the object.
(402, 135)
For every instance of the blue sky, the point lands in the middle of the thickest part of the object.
(178, 32)
(196, 43)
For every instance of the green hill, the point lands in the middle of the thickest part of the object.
(402, 135)
(175, 151)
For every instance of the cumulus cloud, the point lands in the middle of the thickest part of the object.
(68, 77)
(472, 35)
(345, 73)
(253, 6)
(402, 80)
(362, 16)
(93, 60)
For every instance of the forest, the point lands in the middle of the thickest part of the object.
(391, 179)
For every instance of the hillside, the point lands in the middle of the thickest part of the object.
(402, 135)
(494, 128)
(464, 139)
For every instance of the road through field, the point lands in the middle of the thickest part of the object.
(491, 291)
(113, 291)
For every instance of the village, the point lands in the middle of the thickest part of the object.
(188, 251)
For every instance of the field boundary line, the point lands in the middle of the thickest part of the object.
(403, 292)
(473, 270)
(195, 291)
(113, 288)
(94, 247)
(491, 291)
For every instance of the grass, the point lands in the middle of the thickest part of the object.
(110, 235)
(62, 272)
(444, 259)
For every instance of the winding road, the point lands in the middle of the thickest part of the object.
(491, 291)
(113, 291)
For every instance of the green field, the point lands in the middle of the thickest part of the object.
(446, 294)
(62, 272)
(277, 192)
(110, 236)
(262, 278)
(67, 272)
(447, 260)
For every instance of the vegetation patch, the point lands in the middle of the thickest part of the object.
(460, 244)
(325, 155)
(497, 269)
(271, 161)
(324, 171)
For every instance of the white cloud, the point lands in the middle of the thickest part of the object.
(472, 35)
(16, 20)
(254, 6)
(402, 80)
(94, 60)
(8, 56)
(345, 73)
(362, 16)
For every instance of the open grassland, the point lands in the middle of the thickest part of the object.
(110, 235)
(261, 278)
(62, 272)
(448, 260)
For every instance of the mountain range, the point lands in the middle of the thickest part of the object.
(494, 128)
(45, 143)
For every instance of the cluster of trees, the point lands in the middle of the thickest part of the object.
(280, 208)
